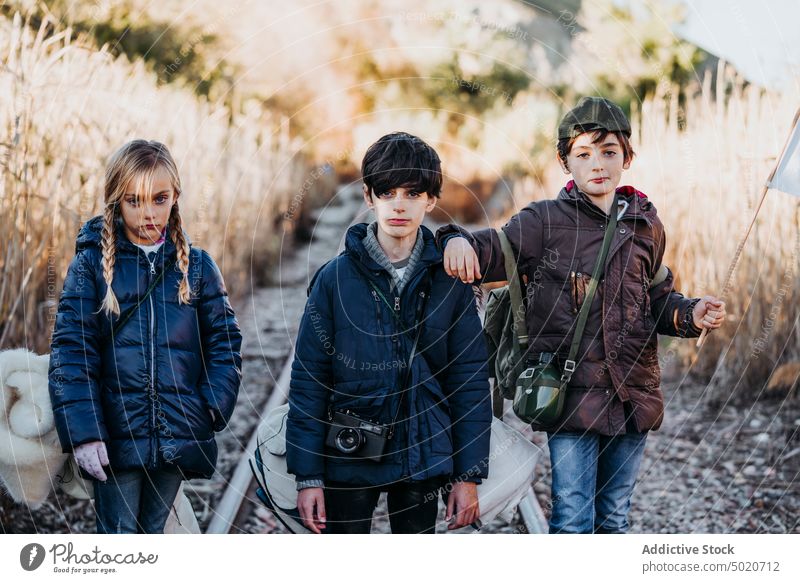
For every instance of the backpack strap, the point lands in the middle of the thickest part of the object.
(514, 291)
(314, 277)
(195, 272)
(125, 317)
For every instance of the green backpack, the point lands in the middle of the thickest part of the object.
(504, 325)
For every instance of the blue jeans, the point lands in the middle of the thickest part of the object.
(593, 479)
(135, 501)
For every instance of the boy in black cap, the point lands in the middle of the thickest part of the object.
(613, 397)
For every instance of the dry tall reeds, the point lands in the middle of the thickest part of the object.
(66, 107)
(703, 163)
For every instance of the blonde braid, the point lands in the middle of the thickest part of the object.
(110, 305)
(182, 250)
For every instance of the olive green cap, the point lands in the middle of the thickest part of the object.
(593, 113)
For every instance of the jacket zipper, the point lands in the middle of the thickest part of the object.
(408, 287)
(396, 355)
(406, 462)
(152, 388)
(396, 349)
(152, 378)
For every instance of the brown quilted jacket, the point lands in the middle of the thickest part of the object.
(616, 386)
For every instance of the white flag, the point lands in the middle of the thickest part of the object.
(787, 173)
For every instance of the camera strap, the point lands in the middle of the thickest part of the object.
(419, 314)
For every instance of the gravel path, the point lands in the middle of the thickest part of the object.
(728, 470)
(269, 322)
(711, 470)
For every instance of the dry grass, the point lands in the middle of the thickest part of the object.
(706, 179)
(66, 107)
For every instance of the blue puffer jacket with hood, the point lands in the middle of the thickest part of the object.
(147, 391)
(351, 354)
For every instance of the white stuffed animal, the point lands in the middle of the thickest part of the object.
(31, 460)
(30, 452)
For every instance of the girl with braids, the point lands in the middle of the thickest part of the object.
(141, 381)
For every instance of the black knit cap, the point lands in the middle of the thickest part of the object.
(593, 113)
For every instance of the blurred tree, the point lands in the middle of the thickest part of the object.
(177, 51)
(630, 51)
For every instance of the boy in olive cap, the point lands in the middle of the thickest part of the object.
(613, 397)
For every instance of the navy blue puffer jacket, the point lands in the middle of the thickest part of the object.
(350, 353)
(146, 394)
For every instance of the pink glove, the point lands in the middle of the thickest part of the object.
(91, 457)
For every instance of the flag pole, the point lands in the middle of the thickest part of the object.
(740, 248)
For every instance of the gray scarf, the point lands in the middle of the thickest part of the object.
(376, 252)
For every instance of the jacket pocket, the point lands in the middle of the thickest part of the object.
(440, 430)
(580, 282)
(368, 403)
(648, 407)
(377, 303)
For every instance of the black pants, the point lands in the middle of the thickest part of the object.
(413, 507)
